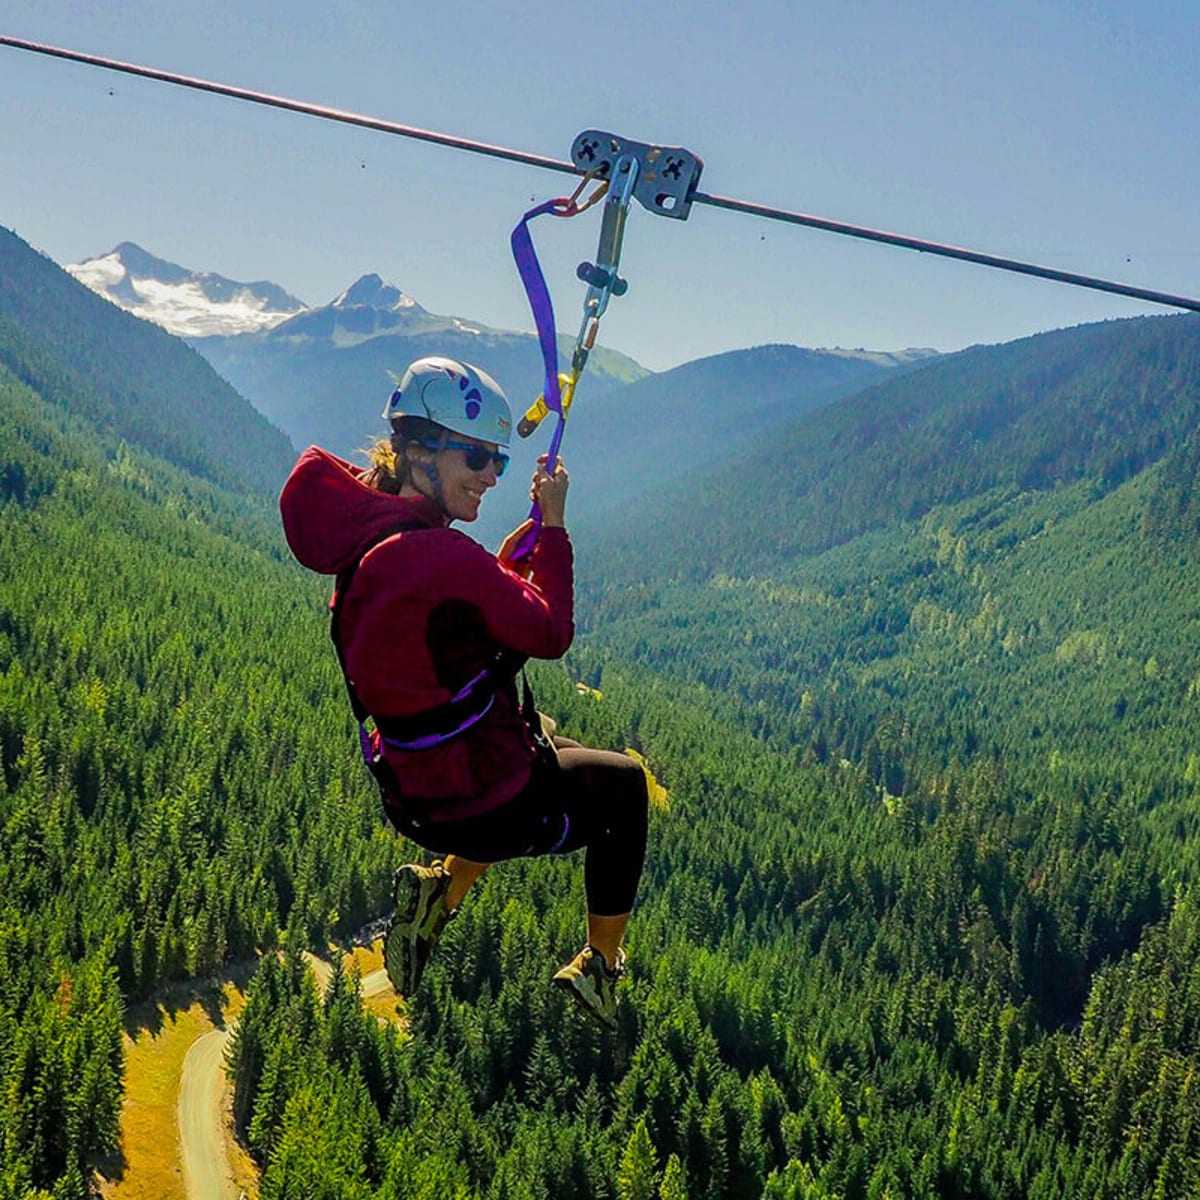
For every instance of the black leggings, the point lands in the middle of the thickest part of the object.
(591, 798)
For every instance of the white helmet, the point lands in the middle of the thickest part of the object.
(454, 395)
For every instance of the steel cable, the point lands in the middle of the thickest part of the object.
(764, 211)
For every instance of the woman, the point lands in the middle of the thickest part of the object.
(432, 630)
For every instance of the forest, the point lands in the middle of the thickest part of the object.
(919, 919)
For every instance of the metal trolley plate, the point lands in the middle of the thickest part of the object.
(667, 175)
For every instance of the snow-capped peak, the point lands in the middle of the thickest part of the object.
(186, 303)
(370, 291)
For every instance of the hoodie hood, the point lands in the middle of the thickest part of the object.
(331, 518)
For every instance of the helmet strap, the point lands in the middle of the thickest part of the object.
(430, 471)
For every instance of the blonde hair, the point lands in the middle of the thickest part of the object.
(387, 470)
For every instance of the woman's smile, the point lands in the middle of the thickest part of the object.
(463, 489)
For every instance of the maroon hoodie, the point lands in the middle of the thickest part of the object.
(426, 611)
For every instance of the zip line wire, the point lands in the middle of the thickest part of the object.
(767, 212)
(299, 106)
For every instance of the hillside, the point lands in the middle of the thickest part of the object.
(999, 547)
(1100, 402)
(173, 786)
(124, 377)
(668, 426)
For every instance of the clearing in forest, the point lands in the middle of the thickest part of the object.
(158, 1036)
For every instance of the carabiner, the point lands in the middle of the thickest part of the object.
(573, 208)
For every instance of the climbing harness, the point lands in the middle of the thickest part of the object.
(432, 727)
(420, 731)
(664, 181)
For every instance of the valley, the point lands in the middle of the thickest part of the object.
(916, 659)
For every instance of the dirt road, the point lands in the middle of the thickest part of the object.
(206, 1173)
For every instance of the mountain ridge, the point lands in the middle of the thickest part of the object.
(1005, 541)
(128, 378)
(678, 422)
(184, 302)
(1102, 400)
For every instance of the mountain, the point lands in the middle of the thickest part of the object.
(129, 379)
(672, 424)
(994, 555)
(184, 302)
(368, 308)
(155, 732)
(324, 374)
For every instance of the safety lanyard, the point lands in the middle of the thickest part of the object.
(534, 281)
(663, 182)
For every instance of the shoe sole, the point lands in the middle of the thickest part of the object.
(401, 953)
(567, 984)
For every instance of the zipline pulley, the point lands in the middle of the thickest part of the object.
(663, 180)
(667, 175)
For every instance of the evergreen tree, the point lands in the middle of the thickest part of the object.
(637, 1173)
(674, 1180)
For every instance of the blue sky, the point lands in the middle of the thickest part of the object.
(1065, 134)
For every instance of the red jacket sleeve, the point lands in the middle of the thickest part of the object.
(534, 617)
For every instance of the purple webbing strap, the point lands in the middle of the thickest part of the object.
(534, 282)
(436, 739)
(364, 741)
(468, 687)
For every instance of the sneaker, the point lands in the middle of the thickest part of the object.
(592, 985)
(417, 923)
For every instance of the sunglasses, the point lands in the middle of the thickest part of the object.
(477, 457)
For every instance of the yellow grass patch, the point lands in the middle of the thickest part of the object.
(383, 1003)
(233, 1000)
(149, 1139)
(157, 1040)
(388, 1007)
(368, 958)
(658, 795)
